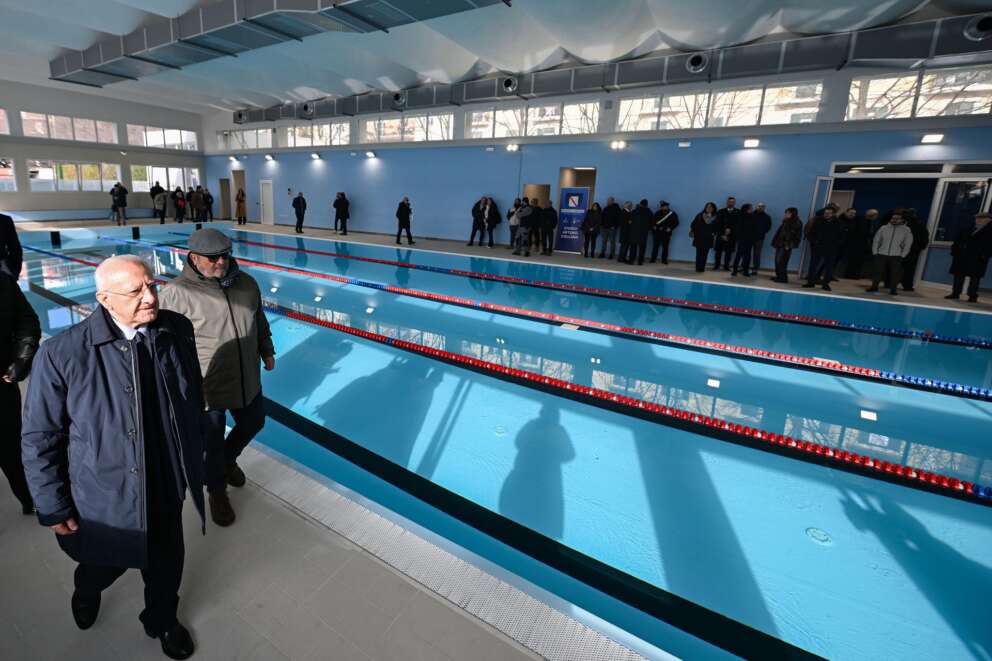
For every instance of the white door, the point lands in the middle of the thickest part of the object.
(265, 198)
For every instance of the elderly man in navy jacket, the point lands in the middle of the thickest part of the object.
(111, 441)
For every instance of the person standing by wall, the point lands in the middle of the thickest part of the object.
(702, 231)
(478, 221)
(787, 238)
(970, 255)
(549, 223)
(857, 244)
(111, 443)
(404, 212)
(342, 212)
(241, 207)
(118, 196)
(197, 206)
(20, 333)
(526, 216)
(11, 252)
(723, 246)
(825, 236)
(160, 202)
(609, 227)
(513, 221)
(493, 218)
(300, 209)
(921, 238)
(625, 232)
(233, 339)
(641, 220)
(179, 203)
(208, 205)
(762, 226)
(890, 246)
(744, 231)
(590, 229)
(154, 191)
(665, 222)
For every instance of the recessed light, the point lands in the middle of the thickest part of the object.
(315, 156)
(268, 157)
(513, 147)
(274, 290)
(684, 143)
(318, 299)
(232, 158)
(584, 169)
(932, 138)
(370, 154)
(369, 310)
(618, 144)
(869, 415)
(490, 148)
(751, 143)
(713, 383)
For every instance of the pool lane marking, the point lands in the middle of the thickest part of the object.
(702, 425)
(780, 359)
(806, 320)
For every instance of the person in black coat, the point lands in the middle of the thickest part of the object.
(300, 209)
(702, 231)
(609, 227)
(342, 212)
(403, 214)
(745, 230)
(665, 222)
(208, 205)
(762, 226)
(179, 203)
(826, 236)
(921, 238)
(724, 242)
(478, 221)
(154, 191)
(112, 440)
(857, 243)
(970, 255)
(11, 253)
(625, 231)
(549, 222)
(641, 222)
(590, 229)
(20, 333)
(493, 218)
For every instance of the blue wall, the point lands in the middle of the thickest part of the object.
(444, 182)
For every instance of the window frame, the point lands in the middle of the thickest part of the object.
(13, 175)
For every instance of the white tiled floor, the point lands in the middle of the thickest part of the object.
(274, 586)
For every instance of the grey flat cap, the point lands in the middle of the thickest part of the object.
(209, 242)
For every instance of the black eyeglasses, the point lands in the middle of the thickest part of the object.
(213, 259)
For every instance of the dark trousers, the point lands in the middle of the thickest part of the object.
(180, 214)
(889, 268)
(609, 235)
(201, 216)
(909, 269)
(723, 252)
(660, 239)
(637, 251)
(161, 215)
(702, 254)
(756, 249)
(10, 441)
(973, 284)
(513, 234)
(162, 576)
(491, 230)
(342, 224)
(210, 213)
(547, 240)
(242, 220)
(481, 229)
(822, 260)
(404, 226)
(782, 256)
(625, 250)
(221, 452)
(299, 222)
(742, 258)
(589, 244)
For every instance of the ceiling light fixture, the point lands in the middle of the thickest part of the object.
(751, 143)
(274, 290)
(369, 310)
(684, 144)
(315, 156)
(932, 138)
(318, 299)
(513, 147)
(268, 157)
(370, 154)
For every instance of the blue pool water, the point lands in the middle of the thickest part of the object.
(844, 566)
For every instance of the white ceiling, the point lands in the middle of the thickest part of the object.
(533, 34)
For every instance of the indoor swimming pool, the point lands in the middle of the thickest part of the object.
(772, 472)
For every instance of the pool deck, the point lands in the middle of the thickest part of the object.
(924, 295)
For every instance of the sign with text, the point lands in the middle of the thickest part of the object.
(572, 206)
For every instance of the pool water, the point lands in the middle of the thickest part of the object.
(838, 564)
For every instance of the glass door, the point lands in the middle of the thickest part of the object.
(822, 189)
(959, 199)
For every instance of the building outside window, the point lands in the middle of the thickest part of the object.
(479, 124)
(106, 132)
(686, 111)
(34, 125)
(60, 127)
(544, 120)
(85, 129)
(791, 104)
(68, 176)
(580, 118)
(110, 174)
(957, 93)
(89, 176)
(8, 183)
(136, 135)
(41, 175)
(740, 107)
(885, 97)
(639, 114)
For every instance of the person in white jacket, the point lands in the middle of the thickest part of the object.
(891, 243)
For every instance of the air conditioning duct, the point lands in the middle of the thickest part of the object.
(979, 28)
(509, 84)
(240, 116)
(697, 63)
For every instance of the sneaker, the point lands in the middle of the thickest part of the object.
(235, 476)
(220, 509)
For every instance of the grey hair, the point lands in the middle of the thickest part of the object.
(107, 269)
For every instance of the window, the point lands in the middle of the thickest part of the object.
(580, 118)
(139, 179)
(370, 130)
(304, 135)
(503, 123)
(4, 125)
(683, 112)
(106, 132)
(321, 135)
(59, 127)
(89, 175)
(340, 133)
(888, 97)
(85, 129)
(415, 128)
(391, 130)
(173, 139)
(479, 124)
(192, 176)
(639, 114)
(176, 177)
(791, 104)
(34, 125)
(440, 127)
(68, 174)
(110, 174)
(264, 139)
(188, 140)
(735, 107)
(41, 174)
(8, 183)
(957, 93)
(509, 123)
(154, 137)
(544, 120)
(135, 135)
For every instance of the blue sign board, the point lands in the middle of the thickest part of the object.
(572, 208)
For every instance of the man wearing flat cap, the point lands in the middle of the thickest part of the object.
(232, 339)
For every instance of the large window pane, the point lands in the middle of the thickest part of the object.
(304, 136)
(8, 183)
(340, 133)
(154, 137)
(4, 124)
(391, 130)
(287, 136)
(479, 124)
(321, 135)
(958, 92)
(42, 175)
(509, 123)
(160, 176)
(135, 135)
(68, 174)
(440, 127)
(580, 118)
(34, 125)
(889, 97)
(370, 130)
(193, 176)
(249, 139)
(687, 111)
(415, 128)
(173, 138)
(735, 107)
(264, 139)
(89, 174)
(110, 174)
(106, 132)
(189, 140)
(639, 114)
(60, 127)
(176, 178)
(85, 129)
(792, 104)
(139, 179)
(544, 120)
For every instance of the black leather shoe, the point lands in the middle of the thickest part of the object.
(27, 509)
(220, 508)
(235, 476)
(177, 643)
(84, 613)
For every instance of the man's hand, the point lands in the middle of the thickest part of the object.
(7, 378)
(67, 527)
(269, 362)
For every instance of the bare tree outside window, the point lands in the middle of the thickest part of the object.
(440, 126)
(544, 120)
(580, 118)
(735, 107)
(687, 111)
(889, 97)
(955, 93)
(509, 123)
(415, 128)
(480, 125)
(791, 104)
(639, 114)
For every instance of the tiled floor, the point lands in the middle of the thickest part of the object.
(274, 586)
